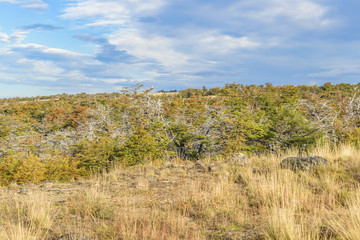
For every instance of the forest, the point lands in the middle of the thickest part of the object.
(64, 137)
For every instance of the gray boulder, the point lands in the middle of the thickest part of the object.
(303, 163)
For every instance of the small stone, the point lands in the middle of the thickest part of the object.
(303, 163)
(47, 184)
(257, 170)
(200, 165)
(169, 165)
(188, 166)
(213, 167)
(72, 236)
(24, 191)
(58, 189)
(239, 159)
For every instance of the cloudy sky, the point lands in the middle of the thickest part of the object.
(50, 47)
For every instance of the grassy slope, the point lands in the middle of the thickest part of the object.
(181, 201)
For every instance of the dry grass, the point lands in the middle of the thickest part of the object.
(260, 201)
(346, 221)
(26, 218)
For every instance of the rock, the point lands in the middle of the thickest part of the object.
(213, 167)
(257, 170)
(303, 163)
(186, 166)
(239, 159)
(24, 191)
(241, 180)
(58, 189)
(47, 184)
(73, 236)
(169, 165)
(199, 165)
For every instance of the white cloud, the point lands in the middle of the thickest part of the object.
(222, 43)
(38, 65)
(185, 50)
(15, 37)
(9, 1)
(39, 52)
(4, 38)
(336, 71)
(113, 81)
(35, 4)
(35, 64)
(131, 38)
(172, 50)
(110, 12)
(35, 71)
(169, 41)
(159, 48)
(93, 8)
(38, 5)
(106, 22)
(304, 13)
(46, 70)
(18, 36)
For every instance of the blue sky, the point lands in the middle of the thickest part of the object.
(50, 47)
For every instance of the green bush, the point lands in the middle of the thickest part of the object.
(96, 155)
(141, 147)
(61, 168)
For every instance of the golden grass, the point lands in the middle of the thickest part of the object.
(260, 201)
(346, 222)
(26, 218)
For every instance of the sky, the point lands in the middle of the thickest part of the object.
(73, 46)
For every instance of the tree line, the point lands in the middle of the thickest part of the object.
(62, 137)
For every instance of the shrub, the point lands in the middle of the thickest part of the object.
(62, 168)
(97, 155)
(31, 170)
(8, 168)
(142, 147)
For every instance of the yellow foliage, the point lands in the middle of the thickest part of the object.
(8, 168)
(31, 169)
(61, 168)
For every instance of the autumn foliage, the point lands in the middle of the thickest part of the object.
(64, 136)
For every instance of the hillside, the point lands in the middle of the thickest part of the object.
(66, 137)
(216, 199)
(144, 165)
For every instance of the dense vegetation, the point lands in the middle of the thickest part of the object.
(64, 136)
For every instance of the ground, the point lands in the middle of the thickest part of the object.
(212, 199)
